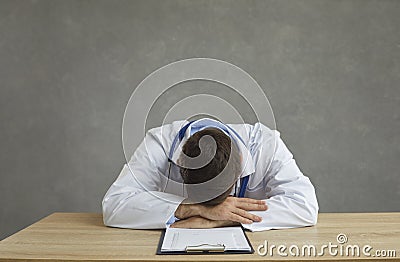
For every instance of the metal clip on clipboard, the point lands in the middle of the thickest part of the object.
(206, 248)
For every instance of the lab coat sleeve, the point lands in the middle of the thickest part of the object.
(290, 195)
(135, 199)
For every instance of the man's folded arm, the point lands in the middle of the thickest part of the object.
(127, 207)
(288, 209)
(291, 197)
(134, 200)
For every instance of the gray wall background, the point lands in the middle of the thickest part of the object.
(331, 70)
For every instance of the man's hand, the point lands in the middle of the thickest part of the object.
(232, 209)
(201, 222)
(235, 209)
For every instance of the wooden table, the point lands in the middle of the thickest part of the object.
(82, 236)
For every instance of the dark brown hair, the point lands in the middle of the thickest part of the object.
(226, 158)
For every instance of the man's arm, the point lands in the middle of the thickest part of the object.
(231, 209)
(201, 222)
(290, 195)
(134, 200)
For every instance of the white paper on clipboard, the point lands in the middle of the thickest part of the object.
(178, 239)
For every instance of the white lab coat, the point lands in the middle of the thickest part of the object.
(143, 198)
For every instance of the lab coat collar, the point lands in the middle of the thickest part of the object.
(248, 167)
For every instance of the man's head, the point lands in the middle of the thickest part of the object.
(224, 161)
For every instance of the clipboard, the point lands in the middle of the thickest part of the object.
(204, 248)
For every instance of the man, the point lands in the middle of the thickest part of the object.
(249, 178)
